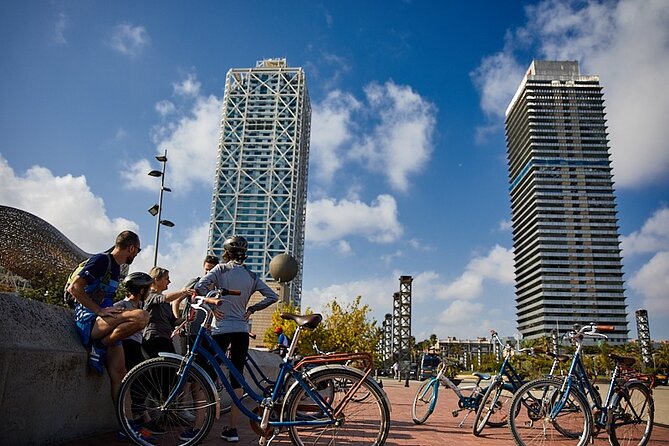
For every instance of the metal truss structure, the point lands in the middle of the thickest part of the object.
(402, 323)
(387, 341)
(260, 188)
(643, 331)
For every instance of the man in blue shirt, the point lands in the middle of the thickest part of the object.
(102, 326)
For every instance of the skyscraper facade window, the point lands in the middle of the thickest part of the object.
(260, 188)
(565, 229)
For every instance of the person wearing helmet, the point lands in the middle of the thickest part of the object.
(137, 286)
(231, 327)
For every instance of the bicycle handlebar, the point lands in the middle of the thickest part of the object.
(591, 330)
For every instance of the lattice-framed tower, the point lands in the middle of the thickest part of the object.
(260, 188)
(643, 330)
(395, 340)
(402, 323)
(565, 228)
(387, 340)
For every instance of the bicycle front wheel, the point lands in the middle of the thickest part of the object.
(541, 414)
(424, 401)
(630, 420)
(146, 418)
(358, 421)
(494, 407)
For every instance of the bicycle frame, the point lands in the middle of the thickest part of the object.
(285, 369)
(577, 379)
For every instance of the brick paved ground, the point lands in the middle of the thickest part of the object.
(440, 429)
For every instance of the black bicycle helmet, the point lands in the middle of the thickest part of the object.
(134, 282)
(236, 244)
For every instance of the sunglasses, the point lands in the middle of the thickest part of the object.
(138, 248)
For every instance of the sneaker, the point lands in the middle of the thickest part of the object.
(97, 357)
(141, 432)
(188, 434)
(230, 434)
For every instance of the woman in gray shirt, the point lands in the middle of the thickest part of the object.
(231, 326)
(157, 334)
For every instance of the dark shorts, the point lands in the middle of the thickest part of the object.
(239, 347)
(156, 345)
(132, 350)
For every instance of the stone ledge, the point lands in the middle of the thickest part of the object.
(47, 394)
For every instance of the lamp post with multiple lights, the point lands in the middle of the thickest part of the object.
(157, 209)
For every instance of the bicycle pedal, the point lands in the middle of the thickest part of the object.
(454, 413)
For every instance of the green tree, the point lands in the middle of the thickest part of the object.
(348, 329)
(344, 329)
(47, 288)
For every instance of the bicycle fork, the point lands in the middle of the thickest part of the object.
(266, 440)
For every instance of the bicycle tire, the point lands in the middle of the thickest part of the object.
(425, 401)
(142, 396)
(495, 401)
(534, 426)
(631, 415)
(360, 422)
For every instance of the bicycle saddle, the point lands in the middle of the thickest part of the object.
(308, 320)
(482, 376)
(624, 360)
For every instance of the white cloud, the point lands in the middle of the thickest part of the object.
(191, 140)
(627, 46)
(330, 130)
(459, 311)
(330, 221)
(652, 282)
(70, 206)
(398, 145)
(505, 225)
(497, 265)
(188, 87)
(401, 143)
(387, 258)
(165, 107)
(375, 292)
(61, 24)
(65, 202)
(129, 40)
(497, 78)
(464, 318)
(653, 236)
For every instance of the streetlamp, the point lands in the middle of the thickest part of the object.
(157, 209)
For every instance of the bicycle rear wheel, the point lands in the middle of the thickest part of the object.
(532, 417)
(493, 408)
(142, 412)
(424, 401)
(631, 417)
(360, 421)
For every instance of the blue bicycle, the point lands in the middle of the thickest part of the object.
(570, 411)
(320, 406)
(493, 407)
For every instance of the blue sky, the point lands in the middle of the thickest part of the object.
(407, 169)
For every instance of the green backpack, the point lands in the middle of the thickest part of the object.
(68, 298)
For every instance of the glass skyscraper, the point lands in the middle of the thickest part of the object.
(565, 229)
(260, 189)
